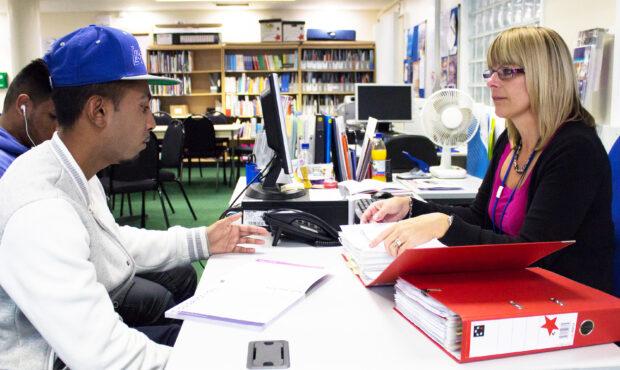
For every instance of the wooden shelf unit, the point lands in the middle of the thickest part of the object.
(209, 66)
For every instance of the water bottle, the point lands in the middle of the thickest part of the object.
(378, 155)
(304, 155)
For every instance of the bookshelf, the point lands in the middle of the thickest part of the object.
(199, 67)
(315, 75)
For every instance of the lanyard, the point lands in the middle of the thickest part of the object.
(501, 189)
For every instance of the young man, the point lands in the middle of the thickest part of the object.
(29, 118)
(62, 256)
(28, 114)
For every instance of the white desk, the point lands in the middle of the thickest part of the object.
(226, 131)
(343, 325)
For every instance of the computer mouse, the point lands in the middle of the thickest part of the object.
(381, 195)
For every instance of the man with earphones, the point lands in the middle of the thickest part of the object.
(28, 115)
(28, 119)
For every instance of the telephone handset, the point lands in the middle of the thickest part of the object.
(301, 226)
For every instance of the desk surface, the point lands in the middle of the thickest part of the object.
(343, 325)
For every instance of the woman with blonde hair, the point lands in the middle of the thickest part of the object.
(549, 177)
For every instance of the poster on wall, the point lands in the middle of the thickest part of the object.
(448, 47)
(414, 63)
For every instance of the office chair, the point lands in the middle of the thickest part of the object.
(236, 150)
(137, 176)
(200, 143)
(162, 118)
(418, 146)
(614, 159)
(172, 157)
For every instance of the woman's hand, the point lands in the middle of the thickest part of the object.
(225, 237)
(410, 233)
(387, 210)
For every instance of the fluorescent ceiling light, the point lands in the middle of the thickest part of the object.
(235, 2)
(230, 4)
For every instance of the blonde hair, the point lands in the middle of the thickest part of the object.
(549, 77)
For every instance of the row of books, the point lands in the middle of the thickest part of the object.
(337, 77)
(312, 104)
(171, 61)
(260, 62)
(327, 141)
(184, 88)
(248, 129)
(240, 106)
(248, 85)
(155, 105)
(337, 59)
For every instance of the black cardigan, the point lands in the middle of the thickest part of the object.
(569, 198)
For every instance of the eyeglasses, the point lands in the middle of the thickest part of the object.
(503, 73)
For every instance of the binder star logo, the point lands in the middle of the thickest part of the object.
(550, 325)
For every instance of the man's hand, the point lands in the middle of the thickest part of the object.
(225, 237)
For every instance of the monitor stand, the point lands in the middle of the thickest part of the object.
(258, 191)
(268, 189)
(386, 129)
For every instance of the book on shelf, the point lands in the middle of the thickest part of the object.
(482, 315)
(253, 294)
(260, 62)
(170, 61)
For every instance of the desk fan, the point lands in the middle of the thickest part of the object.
(449, 121)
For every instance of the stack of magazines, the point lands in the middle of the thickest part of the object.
(429, 315)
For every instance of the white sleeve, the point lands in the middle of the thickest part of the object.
(44, 268)
(154, 250)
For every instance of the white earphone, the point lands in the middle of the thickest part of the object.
(23, 107)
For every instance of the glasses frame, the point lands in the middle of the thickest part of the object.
(503, 74)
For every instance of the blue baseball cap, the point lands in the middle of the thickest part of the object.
(97, 54)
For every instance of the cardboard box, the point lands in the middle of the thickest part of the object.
(270, 29)
(179, 111)
(293, 31)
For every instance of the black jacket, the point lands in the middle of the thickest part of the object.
(569, 198)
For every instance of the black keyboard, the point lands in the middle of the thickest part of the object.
(361, 205)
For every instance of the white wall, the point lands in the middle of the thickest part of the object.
(5, 61)
(237, 25)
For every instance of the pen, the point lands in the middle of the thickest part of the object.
(441, 188)
(423, 166)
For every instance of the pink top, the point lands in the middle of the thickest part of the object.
(515, 213)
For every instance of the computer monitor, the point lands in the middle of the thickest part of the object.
(275, 129)
(386, 103)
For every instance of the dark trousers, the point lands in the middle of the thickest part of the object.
(143, 303)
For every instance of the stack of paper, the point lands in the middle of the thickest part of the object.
(368, 263)
(433, 318)
(254, 294)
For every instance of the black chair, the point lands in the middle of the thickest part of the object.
(200, 143)
(172, 158)
(137, 176)
(418, 146)
(236, 150)
(162, 118)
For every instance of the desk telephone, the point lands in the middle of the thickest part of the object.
(301, 226)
